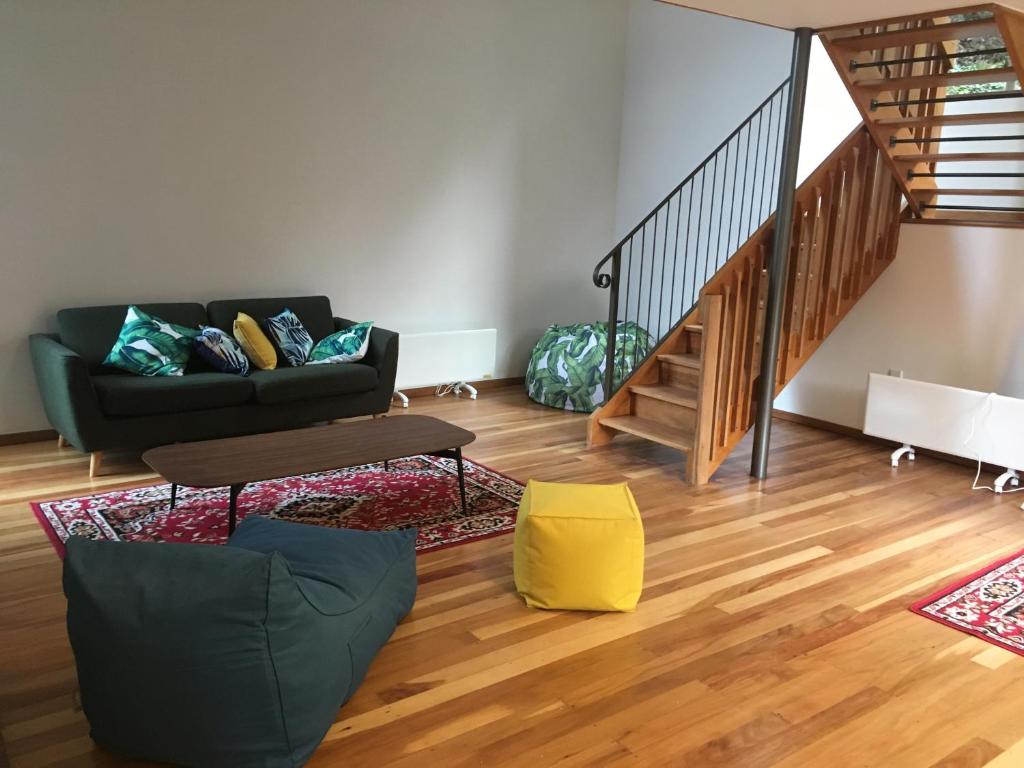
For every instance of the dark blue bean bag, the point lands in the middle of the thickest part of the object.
(235, 656)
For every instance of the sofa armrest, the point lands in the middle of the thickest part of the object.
(382, 353)
(66, 390)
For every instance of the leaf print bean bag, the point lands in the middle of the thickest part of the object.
(567, 365)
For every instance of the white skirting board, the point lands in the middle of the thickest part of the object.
(446, 357)
(961, 422)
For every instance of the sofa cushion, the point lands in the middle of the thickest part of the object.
(92, 331)
(313, 311)
(144, 396)
(287, 385)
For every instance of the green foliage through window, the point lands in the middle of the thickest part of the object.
(984, 61)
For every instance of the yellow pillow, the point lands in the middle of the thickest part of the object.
(254, 341)
(579, 547)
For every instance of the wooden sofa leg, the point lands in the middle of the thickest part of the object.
(95, 462)
(61, 442)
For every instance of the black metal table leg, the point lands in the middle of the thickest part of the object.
(233, 506)
(386, 466)
(174, 494)
(462, 478)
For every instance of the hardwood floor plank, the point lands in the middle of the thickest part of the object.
(773, 629)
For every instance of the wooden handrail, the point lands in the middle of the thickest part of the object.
(845, 231)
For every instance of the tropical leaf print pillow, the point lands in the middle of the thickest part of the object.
(345, 346)
(290, 335)
(221, 351)
(149, 346)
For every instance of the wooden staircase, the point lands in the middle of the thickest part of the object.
(940, 94)
(696, 391)
(942, 143)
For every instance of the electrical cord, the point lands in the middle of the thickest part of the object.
(977, 475)
(445, 389)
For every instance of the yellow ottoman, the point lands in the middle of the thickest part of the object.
(579, 547)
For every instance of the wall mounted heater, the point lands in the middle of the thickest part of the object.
(447, 357)
(961, 422)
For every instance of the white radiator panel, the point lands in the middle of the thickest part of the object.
(428, 359)
(943, 418)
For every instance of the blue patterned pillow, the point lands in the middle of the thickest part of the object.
(345, 346)
(290, 336)
(221, 351)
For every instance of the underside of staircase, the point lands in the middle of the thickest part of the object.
(940, 93)
(942, 143)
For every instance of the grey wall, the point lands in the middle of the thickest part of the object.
(429, 165)
(691, 78)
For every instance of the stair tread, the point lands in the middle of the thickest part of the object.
(969, 77)
(957, 30)
(682, 396)
(651, 430)
(690, 360)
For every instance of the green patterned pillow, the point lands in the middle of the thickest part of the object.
(148, 346)
(345, 346)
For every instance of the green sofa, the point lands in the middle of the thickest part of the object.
(95, 407)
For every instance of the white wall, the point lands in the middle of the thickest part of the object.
(829, 114)
(429, 165)
(947, 310)
(691, 78)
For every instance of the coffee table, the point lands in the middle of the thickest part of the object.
(234, 462)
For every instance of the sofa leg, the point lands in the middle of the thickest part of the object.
(95, 463)
(61, 442)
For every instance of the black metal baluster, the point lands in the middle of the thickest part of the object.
(686, 247)
(664, 264)
(612, 329)
(752, 223)
(650, 276)
(743, 192)
(711, 214)
(675, 258)
(764, 171)
(732, 202)
(629, 279)
(700, 225)
(640, 283)
(721, 212)
(775, 155)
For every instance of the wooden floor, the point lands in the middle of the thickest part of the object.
(773, 628)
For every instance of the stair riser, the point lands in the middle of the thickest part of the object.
(679, 375)
(691, 341)
(671, 415)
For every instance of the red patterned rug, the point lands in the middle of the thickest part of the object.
(988, 604)
(419, 491)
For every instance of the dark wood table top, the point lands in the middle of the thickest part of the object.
(248, 459)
